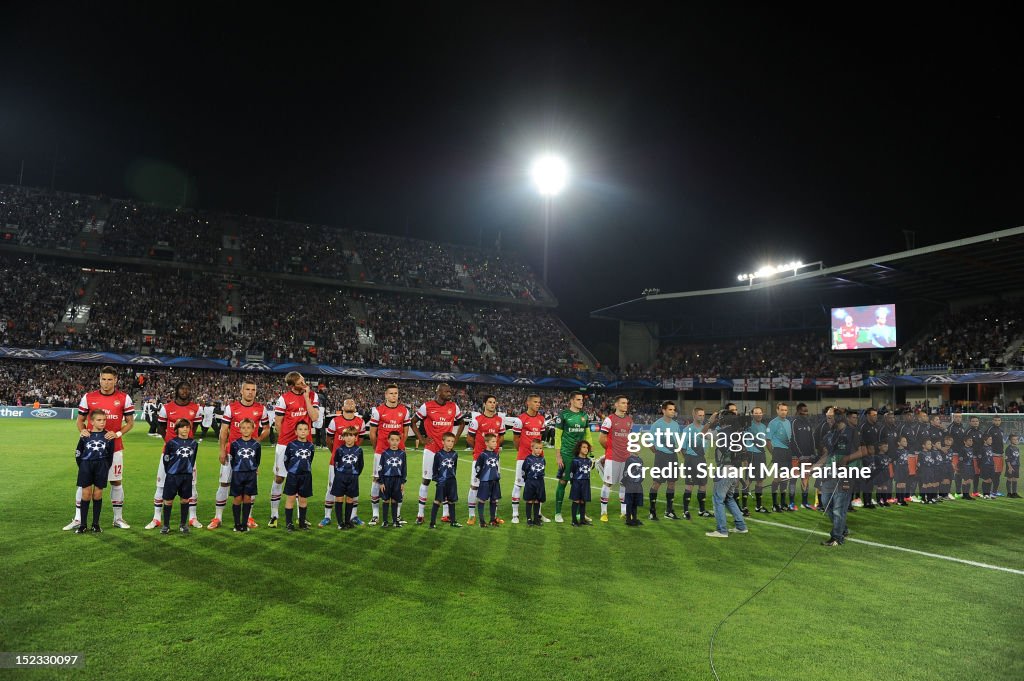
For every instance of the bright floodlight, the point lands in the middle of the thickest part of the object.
(550, 174)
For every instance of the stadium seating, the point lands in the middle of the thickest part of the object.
(115, 227)
(207, 314)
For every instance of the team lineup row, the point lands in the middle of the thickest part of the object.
(298, 404)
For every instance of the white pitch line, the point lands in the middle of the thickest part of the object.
(894, 547)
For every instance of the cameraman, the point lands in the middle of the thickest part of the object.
(842, 445)
(726, 458)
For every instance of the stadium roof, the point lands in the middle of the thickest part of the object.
(988, 264)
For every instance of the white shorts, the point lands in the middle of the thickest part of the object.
(116, 467)
(613, 471)
(225, 473)
(279, 468)
(160, 474)
(428, 464)
(520, 481)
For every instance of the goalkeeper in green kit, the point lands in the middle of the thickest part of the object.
(573, 423)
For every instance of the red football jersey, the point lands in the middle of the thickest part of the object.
(292, 407)
(116, 406)
(528, 428)
(338, 425)
(172, 411)
(437, 420)
(482, 425)
(617, 428)
(389, 420)
(236, 412)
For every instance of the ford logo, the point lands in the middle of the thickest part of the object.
(44, 413)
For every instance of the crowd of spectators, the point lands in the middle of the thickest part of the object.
(138, 229)
(795, 355)
(524, 341)
(183, 310)
(36, 296)
(130, 228)
(499, 274)
(973, 338)
(40, 217)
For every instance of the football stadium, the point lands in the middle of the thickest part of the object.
(248, 442)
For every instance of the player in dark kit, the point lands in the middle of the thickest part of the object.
(244, 455)
(93, 455)
(392, 472)
(488, 472)
(1013, 466)
(347, 466)
(579, 474)
(534, 493)
(633, 479)
(298, 464)
(179, 460)
(446, 490)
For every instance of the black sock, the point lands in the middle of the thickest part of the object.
(97, 504)
(85, 513)
(986, 487)
(480, 512)
(236, 510)
(340, 513)
(653, 496)
(246, 512)
(687, 495)
(288, 514)
(575, 506)
(670, 498)
(583, 512)
(775, 499)
(803, 497)
(184, 512)
(433, 513)
(394, 512)
(995, 482)
(782, 498)
(302, 514)
(167, 515)
(451, 513)
(494, 510)
(701, 496)
(758, 498)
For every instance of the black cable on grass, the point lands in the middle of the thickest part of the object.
(711, 648)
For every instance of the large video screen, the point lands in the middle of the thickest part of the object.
(870, 327)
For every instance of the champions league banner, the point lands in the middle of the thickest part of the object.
(595, 380)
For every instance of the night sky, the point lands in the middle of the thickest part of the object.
(702, 141)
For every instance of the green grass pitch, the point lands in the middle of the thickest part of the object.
(604, 602)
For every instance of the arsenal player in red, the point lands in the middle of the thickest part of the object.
(387, 417)
(297, 404)
(246, 407)
(348, 418)
(120, 411)
(181, 407)
(433, 420)
(489, 422)
(527, 427)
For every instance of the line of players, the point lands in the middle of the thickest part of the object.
(298, 404)
(914, 459)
